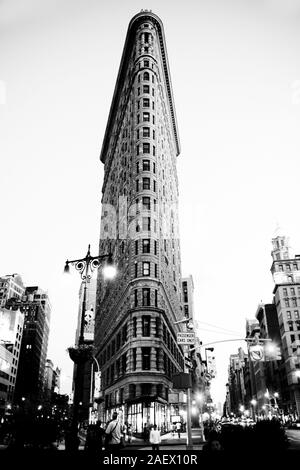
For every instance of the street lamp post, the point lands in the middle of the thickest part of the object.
(85, 266)
(200, 398)
(253, 403)
(274, 395)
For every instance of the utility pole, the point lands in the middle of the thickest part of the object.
(189, 441)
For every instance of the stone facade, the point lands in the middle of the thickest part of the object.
(286, 274)
(135, 335)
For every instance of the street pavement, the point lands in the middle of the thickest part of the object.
(168, 442)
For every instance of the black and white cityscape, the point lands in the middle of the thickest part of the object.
(157, 326)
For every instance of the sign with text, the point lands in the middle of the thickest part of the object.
(185, 338)
(97, 386)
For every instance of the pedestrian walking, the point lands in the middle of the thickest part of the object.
(129, 433)
(155, 438)
(145, 433)
(178, 428)
(113, 434)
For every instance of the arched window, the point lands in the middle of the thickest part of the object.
(146, 76)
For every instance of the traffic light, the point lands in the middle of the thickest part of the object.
(278, 355)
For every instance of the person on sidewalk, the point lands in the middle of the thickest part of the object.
(145, 433)
(129, 433)
(113, 434)
(155, 438)
(178, 428)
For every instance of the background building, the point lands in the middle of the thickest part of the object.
(286, 274)
(89, 331)
(135, 335)
(11, 287)
(11, 331)
(31, 372)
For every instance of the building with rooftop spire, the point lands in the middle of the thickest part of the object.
(285, 270)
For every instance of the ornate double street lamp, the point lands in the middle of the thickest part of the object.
(81, 353)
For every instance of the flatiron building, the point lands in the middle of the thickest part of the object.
(135, 330)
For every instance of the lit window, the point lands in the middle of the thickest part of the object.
(146, 117)
(146, 147)
(146, 245)
(146, 165)
(146, 131)
(146, 268)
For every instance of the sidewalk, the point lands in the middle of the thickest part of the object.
(168, 441)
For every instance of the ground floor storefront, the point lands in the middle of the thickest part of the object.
(143, 414)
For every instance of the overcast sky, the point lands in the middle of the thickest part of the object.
(235, 71)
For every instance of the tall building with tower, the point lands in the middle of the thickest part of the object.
(286, 274)
(135, 334)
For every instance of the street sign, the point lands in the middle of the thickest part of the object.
(182, 381)
(257, 353)
(97, 384)
(186, 338)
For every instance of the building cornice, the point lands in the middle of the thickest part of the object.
(132, 28)
(286, 284)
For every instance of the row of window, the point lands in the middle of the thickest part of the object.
(146, 117)
(144, 246)
(287, 267)
(145, 225)
(146, 204)
(115, 370)
(290, 302)
(290, 291)
(114, 345)
(146, 149)
(146, 298)
(172, 346)
(294, 325)
(145, 166)
(145, 102)
(146, 389)
(145, 132)
(146, 184)
(146, 77)
(146, 269)
(293, 338)
(146, 326)
(289, 314)
(145, 89)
